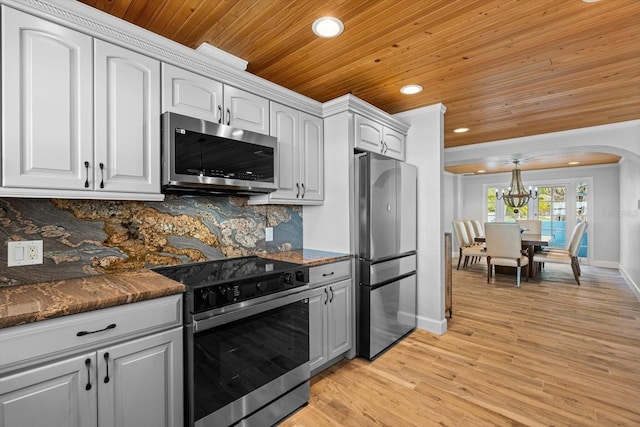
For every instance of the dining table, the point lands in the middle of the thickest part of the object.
(532, 242)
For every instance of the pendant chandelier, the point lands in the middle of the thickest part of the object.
(516, 196)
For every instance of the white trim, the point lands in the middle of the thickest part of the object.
(79, 194)
(351, 103)
(432, 325)
(222, 56)
(635, 287)
(605, 264)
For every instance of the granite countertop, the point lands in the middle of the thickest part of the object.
(39, 301)
(308, 257)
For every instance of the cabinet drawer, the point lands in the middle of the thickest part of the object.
(63, 335)
(329, 273)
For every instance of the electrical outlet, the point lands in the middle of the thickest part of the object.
(268, 234)
(25, 252)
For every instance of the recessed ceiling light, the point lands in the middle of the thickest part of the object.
(327, 26)
(590, 1)
(410, 89)
(573, 163)
(481, 171)
(461, 130)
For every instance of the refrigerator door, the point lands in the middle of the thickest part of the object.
(375, 273)
(378, 177)
(389, 315)
(407, 207)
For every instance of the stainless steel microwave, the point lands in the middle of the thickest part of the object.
(198, 155)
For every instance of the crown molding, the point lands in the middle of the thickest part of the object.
(354, 104)
(101, 25)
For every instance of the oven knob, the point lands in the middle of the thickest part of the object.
(287, 278)
(226, 292)
(262, 286)
(208, 298)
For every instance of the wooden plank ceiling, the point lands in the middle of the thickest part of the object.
(503, 68)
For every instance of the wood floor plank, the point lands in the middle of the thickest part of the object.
(548, 353)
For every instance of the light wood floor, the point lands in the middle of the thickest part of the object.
(549, 353)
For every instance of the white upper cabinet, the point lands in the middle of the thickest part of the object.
(194, 95)
(245, 110)
(373, 136)
(191, 94)
(300, 157)
(58, 141)
(127, 127)
(312, 157)
(47, 103)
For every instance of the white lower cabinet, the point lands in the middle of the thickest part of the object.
(330, 318)
(132, 382)
(63, 393)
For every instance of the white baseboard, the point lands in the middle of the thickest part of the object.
(605, 264)
(438, 327)
(635, 288)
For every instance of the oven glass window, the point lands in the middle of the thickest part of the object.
(209, 155)
(232, 360)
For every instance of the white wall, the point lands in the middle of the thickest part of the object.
(425, 150)
(604, 229)
(328, 227)
(629, 215)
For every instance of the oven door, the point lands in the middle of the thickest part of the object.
(242, 360)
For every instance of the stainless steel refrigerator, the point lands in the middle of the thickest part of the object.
(386, 298)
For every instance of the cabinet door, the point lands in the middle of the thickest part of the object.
(368, 134)
(141, 382)
(191, 94)
(394, 143)
(339, 337)
(127, 123)
(284, 126)
(61, 394)
(311, 157)
(246, 110)
(318, 327)
(47, 103)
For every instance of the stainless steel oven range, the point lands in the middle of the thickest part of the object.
(246, 340)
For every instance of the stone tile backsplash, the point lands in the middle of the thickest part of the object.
(90, 237)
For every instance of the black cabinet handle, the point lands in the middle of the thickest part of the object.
(82, 333)
(101, 175)
(304, 191)
(297, 190)
(327, 274)
(219, 113)
(87, 363)
(381, 147)
(228, 116)
(106, 362)
(86, 181)
(327, 294)
(331, 289)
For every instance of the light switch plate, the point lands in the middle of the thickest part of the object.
(25, 252)
(268, 234)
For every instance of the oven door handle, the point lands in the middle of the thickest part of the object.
(241, 313)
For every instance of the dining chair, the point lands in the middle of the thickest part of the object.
(478, 228)
(504, 248)
(530, 226)
(467, 247)
(566, 256)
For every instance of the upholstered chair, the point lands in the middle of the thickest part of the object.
(562, 256)
(466, 244)
(530, 226)
(504, 248)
